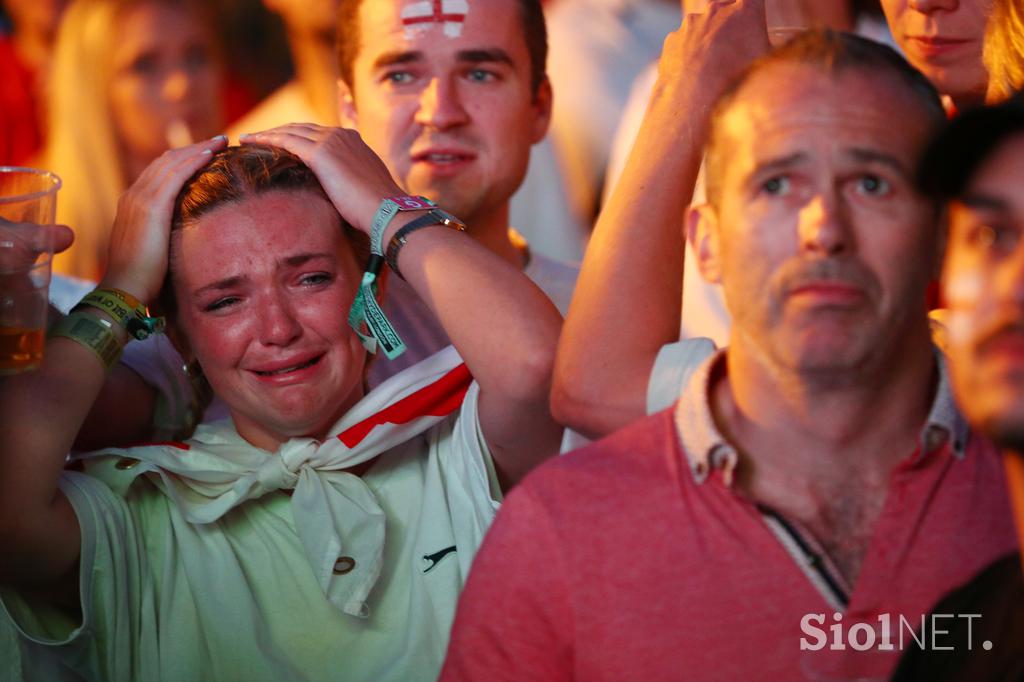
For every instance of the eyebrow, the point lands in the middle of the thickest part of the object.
(302, 258)
(393, 58)
(475, 56)
(219, 285)
(493, 54)
(873, 156)
(777, 164)
(230, 282)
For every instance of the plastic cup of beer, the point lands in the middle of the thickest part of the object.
(28, 198)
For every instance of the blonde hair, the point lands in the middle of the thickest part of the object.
(83, 145)
(1004, 49)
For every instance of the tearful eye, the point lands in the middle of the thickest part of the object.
(777, 186)
(873, 185)
(317, 278)
(221, 304)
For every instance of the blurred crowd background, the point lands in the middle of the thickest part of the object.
(95, 89)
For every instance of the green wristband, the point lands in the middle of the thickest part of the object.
(126, 310)
(93, 332)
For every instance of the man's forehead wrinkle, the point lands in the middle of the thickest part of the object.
(767, 129)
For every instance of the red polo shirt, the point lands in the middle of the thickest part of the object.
(634, 559)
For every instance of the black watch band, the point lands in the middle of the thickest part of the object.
(432, 217)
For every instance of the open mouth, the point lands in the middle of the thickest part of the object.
(293, 368)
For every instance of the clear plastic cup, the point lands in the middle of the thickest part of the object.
(28, 198)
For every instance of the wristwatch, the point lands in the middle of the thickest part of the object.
(433, 217)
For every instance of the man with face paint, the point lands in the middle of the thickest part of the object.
(814, 477)
(451, 94)
(977, 164)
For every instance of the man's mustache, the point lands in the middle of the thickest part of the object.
(849, 271)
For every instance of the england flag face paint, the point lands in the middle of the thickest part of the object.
(419, 16)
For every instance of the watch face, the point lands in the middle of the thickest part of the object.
(408, 203)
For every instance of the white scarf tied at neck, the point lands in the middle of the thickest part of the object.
(335, 513)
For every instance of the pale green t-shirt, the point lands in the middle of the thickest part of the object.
(164, 599)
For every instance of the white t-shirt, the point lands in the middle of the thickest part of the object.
(236, 599)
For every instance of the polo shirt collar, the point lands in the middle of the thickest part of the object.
(706, 449)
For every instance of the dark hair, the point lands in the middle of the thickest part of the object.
(535, 33)
(833, 52)
(235, 174)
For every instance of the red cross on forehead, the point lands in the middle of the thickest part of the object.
(437, 15)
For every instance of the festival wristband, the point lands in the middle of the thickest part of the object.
(366, 316)
(388, 209)
(434, 217)
(127, 311)
(93, 332)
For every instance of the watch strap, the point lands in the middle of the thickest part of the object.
(434, 217)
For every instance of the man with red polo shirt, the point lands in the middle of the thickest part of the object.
(814, 490)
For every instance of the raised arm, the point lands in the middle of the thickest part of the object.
(43, 410)
(504, 327)
(629, 293)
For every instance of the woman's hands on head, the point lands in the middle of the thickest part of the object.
(140, 237)
(352, 175)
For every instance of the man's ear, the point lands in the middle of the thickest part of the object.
(543, 100)
(702, 233)
(346, 106)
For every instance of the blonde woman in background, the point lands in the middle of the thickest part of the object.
(130, 79)
(1004, 49)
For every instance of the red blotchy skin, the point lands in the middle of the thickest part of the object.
(273, 339)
